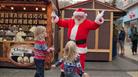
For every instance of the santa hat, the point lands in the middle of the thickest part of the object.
(80, 11)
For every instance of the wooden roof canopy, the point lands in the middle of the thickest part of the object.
(97, 5)
(29, 5)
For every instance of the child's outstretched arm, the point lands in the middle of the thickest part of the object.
(58, 63)
(50, 49)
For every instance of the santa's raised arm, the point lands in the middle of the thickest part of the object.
(99, 18)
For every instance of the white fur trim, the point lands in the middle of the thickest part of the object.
(79, 13)
(55, 19)
(75, 29)
(81, 50)
(74, 32)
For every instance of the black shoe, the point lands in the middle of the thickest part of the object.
(62, 74)
(80, 75)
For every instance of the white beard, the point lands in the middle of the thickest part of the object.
(75, 28)
(79, 22)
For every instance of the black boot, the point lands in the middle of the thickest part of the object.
(62, 74)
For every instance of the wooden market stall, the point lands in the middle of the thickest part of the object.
(99, 41)
(21, 15)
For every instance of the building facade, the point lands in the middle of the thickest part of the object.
(131, 18)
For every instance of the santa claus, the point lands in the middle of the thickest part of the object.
(78, 29)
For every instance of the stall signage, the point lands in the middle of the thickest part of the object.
(21, 54)
(19, 50)
(132, 15)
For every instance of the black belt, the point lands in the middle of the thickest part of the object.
(79, 41)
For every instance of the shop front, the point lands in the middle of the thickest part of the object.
(16, 19)
(130, 19)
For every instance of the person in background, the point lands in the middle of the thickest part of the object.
(134, 39)
(121, 40)
(115, 41)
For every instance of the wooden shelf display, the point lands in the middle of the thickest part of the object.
(20, 54)
(23, 18)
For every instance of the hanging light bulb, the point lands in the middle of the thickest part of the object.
(36, 8)
(12, 8)
(43, 9)
(24, 8)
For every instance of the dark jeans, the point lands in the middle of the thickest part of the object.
(134, 46)
(39, 68)
(71, 74)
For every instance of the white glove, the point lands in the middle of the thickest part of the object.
(99, 18)
(55, 18)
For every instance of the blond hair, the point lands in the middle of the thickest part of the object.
(40, 33)
(69, 53)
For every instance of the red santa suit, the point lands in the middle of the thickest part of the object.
(79, 32)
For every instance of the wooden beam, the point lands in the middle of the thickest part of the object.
(95, 9)
(96, 35)
(99, 50)
(6, 47)
(24, 5)
(96, 38)
(107, 20)
(49, 25)
(4, 59)
(104, 19)
(62, 35)
(111, 36)
(93, 4)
